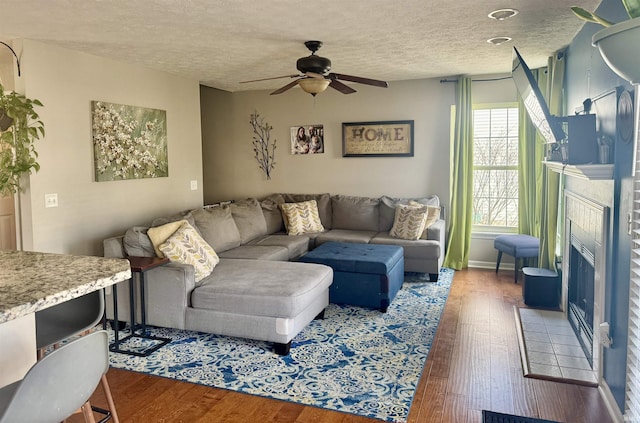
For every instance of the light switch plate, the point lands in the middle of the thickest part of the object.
(51, 200)
(194, 185)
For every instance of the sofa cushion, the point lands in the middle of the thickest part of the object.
(301, 218)
(186, 246)
(185, 215)
(323, 201)
(355, 213)
(257, 252)
(247, 214)
(272, 214)
(409, 222)
(160, 234)
(218, 227)
(137, 243)
(261, 287)
(345, 235)
(296, 245)
(388, 208)
(421, 249)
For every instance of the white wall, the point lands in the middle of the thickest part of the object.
(231, 171)
(66, 82)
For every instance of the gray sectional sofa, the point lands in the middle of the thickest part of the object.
(258, 290)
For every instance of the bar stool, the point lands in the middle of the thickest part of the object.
(59, 384)
(70, 318)
(519, 246)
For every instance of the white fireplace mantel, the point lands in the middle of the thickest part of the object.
(591, 172)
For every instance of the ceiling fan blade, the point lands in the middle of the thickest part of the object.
(286, 87)
(344, 89)
(269, 79)
(360, 80)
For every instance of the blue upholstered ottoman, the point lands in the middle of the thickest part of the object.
(519, 246)
(367, 275)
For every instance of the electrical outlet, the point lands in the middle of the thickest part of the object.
(605, 339)
(194, 185)
(51, 200)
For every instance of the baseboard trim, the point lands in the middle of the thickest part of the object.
(489, 265)
(610, 402)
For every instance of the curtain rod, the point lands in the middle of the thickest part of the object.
(478, 80)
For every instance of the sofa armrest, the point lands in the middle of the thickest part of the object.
(168, 290)
(436, 232)
(114, 247)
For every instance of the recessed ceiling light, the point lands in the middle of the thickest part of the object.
(496, 41)
(502, 14)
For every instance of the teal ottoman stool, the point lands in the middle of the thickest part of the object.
(366, 275)
(517, 246)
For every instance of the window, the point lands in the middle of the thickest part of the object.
(495, 167)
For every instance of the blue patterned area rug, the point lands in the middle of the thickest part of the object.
(356, 360)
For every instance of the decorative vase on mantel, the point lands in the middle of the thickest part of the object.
(618, 47)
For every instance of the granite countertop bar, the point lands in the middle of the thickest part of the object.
(32, 281)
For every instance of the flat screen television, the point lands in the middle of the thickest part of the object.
(549, 126)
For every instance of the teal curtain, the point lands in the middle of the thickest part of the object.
(461, 189)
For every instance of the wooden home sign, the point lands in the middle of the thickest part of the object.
(378, 139)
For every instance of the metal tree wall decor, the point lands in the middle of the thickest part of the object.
(263, 148)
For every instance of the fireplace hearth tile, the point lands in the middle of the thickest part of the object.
(561, 330)
(536, 327)
(544, 347)
(569, 350)
(542, 358)
(564, 339)
(580, 363)
(545, 370)
(554, 354)
(536, 336)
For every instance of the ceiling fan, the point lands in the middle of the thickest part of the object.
(315, 77)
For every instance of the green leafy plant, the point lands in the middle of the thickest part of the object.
(20, 127)
(632, 7)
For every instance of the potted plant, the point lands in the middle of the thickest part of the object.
(20, 127)
(614, 42)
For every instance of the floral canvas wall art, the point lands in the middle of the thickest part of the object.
(129, 142)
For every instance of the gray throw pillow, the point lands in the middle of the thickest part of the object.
(136, 242)
(272, 214)
(217, 227)
(355, 213)
(249, 219)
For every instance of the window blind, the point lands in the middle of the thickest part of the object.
(632, 400)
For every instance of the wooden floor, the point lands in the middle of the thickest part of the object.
(474, 364)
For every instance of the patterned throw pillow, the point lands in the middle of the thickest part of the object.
(433, 214)
(160, 234)
(301, 218)
(186, 246)
(409, 222)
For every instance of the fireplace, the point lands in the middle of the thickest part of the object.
(584, 271)
(581, 291)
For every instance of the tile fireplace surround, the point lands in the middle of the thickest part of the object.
(586, 229)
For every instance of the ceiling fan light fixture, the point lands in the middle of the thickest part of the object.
(314, 86)
(502, 14)
(496, 41)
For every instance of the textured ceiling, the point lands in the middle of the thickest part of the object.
(222, 42)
